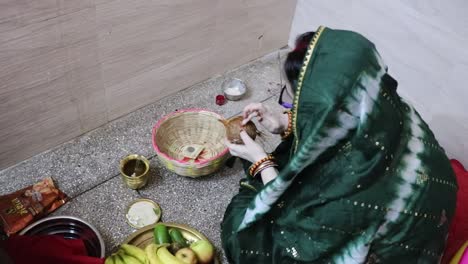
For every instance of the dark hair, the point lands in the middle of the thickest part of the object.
(295, 58)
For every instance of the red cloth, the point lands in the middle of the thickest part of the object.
(458, 233)
(47, 250)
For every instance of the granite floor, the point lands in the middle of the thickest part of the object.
(86, 168)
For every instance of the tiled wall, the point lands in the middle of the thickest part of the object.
(423, 42)
(69, 66)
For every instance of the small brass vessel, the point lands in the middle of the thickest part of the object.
(134, 169)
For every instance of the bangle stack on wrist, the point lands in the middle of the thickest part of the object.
(289, 130)
(261, 165)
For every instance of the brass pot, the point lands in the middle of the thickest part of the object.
(134, 169)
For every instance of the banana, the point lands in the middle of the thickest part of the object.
(151, 255)
(134, 251)
(127, 259)
(118, 259)
(110, 260)
(166, 257)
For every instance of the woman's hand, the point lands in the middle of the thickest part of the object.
(251, 151)
(274, 121)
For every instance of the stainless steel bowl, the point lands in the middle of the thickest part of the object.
(71, 228)
(234, 89)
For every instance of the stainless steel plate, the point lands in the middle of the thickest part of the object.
(70, 228)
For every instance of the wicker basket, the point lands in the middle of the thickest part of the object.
(190, 142)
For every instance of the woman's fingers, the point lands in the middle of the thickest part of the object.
(234, 149)
(249, 117)
(231, 150)
(250, 150)
(254, 107)
(246, 138)
(229, 144)
(253, 110)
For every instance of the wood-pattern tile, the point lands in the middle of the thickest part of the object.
(68, 66)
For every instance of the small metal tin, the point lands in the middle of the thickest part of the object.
(134, 169)
(156, 209)
(234, 89)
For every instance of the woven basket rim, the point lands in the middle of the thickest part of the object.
(191, 110)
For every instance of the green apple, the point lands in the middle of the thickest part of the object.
(204, 250)
(186, 255)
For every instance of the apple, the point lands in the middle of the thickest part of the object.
(204, 250)
(186, 255)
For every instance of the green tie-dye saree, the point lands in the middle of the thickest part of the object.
(363, 180)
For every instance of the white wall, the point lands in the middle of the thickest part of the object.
(425, 45)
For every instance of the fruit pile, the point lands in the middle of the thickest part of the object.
(169, 247)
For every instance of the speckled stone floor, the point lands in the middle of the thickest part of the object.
(86, 168)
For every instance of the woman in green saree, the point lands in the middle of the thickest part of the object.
(361, 178)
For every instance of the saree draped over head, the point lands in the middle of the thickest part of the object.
(363, 180)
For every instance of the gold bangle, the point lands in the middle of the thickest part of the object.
(254, 166)
(289, 130)
(265, 165)
(258, 163)
(261, 166)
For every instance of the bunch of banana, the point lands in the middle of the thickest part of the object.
(168, 242)
(160, 254)
(169, 247)
(128, 254)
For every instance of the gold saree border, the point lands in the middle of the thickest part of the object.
(305, 64)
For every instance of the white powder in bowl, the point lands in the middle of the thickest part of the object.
(142, 213)
(233, 91)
